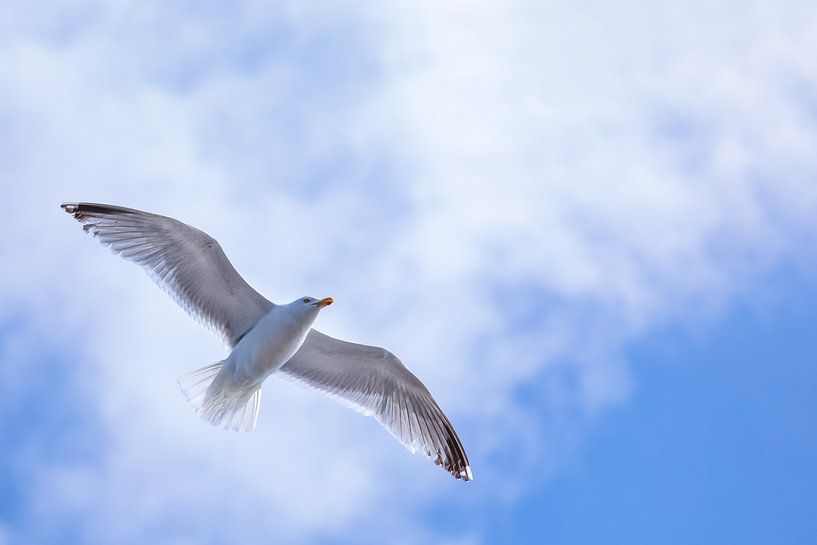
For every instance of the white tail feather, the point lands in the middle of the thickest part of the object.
(220, 402)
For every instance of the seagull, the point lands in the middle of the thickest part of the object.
(269, 339)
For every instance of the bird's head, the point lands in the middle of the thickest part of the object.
(308, 304)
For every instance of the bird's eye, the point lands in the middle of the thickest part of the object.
(306, 300)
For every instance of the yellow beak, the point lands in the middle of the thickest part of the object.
(325, 302)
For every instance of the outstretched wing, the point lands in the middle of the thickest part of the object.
(187, 263)
(375, 382)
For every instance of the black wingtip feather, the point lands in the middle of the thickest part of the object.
(81, 209)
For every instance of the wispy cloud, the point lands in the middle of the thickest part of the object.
(505, 195)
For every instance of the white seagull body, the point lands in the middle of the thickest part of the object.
(267, 339)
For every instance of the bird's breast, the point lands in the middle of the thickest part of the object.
(268, 346)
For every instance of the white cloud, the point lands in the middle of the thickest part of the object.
(505, 195)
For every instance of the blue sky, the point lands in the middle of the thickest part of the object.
(716, 445)
(589, 229)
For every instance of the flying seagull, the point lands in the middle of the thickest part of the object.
(268, 339)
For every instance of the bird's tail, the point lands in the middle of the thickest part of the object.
(219, 401)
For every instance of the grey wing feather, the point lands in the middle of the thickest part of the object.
(186, 262)
(375, 382)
